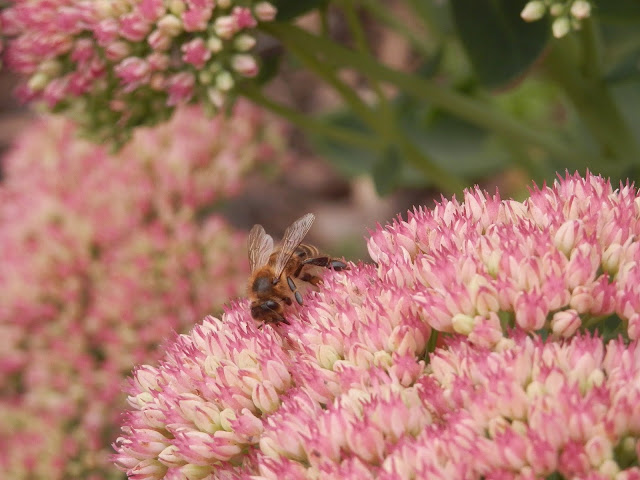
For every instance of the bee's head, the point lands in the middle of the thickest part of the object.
(268, 311)
(262, 284)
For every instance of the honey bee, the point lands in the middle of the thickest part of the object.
(278, 276)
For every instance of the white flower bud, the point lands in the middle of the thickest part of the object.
(214, 44)
(38, 81)
(224, 81)
(265, 11)
(170, 25)
(177, 7)
(533, 11)
(462, 323)
(581, 9)
(244, 42)
(561, 26)
(327, 356)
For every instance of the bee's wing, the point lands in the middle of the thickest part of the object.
(260, 247)
(293, 236)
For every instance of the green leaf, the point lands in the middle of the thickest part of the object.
(387, 172)
(349, 161)
(500, 45)
(460, 148)
(269, 66)
(620, 10)
(290, 9)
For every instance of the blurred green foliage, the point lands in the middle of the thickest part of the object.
(492, 93)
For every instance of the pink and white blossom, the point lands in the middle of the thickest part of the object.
(103, 51)
(464, 352)
(103, 258)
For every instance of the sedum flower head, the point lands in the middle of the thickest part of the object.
(567, 15)
(308, 401)
(116, 64)
(103, 258)
(562, 260)
(360, 386)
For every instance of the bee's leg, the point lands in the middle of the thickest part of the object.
(326, 262)
(293, 288)
(312, 279)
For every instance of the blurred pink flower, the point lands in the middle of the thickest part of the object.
(104, 258)
(350, 390)
(86, 56)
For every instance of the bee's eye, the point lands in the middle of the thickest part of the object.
(270, 305)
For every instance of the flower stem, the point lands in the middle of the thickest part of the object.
(590, 95)
(381, 122)
(379, 10)
(348, 136)
(474, 111)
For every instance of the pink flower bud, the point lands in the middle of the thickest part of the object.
(565, 323)
(265, 11)
(225, 27)
(169, 26)
(133, 27)
(133, 72)
(180, 87)
(196, 53)
(265, 397)
(243, 18)
(116, 51)
(159, 41)
(196, 19)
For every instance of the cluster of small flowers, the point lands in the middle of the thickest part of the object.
(117, 64)
(365, 384)
(567, 14)
(565, 258)
(103, 258)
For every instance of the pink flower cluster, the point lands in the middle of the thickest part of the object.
(370, 380)
(103, 258)
(117, 64)
(563, 259)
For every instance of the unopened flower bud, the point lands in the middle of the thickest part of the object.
(195, 472)
(557, 9)
(580, 9)
(38, 81)
(462, 323)
(560, 27)
(224, 81)
(327, 356)
(245, 65)
(565, 323)
(170, 25)
(533, 11)
(214, 44)
(225, 27)
(177, 7)
(265, 11)
(244, 42)
(51, 68)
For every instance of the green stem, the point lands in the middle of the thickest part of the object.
(476, 112)
(592, 49)
(384, 15)
(359, 35)
(382, 124)
(349, 136)
(591, 97)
